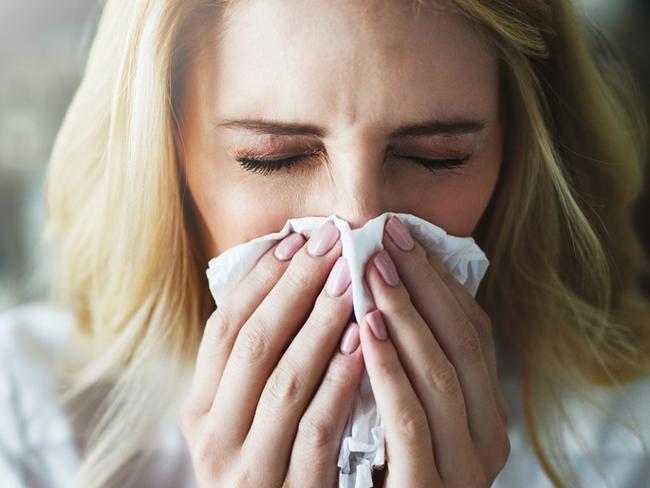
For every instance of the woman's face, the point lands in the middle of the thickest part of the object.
(358, 95)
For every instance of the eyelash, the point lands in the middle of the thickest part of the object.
(268, 166)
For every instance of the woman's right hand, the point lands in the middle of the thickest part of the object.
(260, 413)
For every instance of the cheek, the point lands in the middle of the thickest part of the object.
(233, 212)
(457, 204)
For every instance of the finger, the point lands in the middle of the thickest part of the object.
(457, 336)
(265, 335)
(295, 378)
(483, 326)
(430, 372)
(316, 447)
(472, 309)
(409, 449)
(222, 327)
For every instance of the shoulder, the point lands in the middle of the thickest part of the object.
(608, 436)
(38, 436)
(34, 433)
(33, 339)
(606, 433)
(40, 322)
(617, 418)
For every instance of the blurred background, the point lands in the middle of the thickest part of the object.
(43, 48)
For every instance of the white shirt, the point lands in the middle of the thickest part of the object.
(37, 446)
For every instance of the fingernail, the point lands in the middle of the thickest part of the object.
(377, 326)
(350, 341)
(399, 234)
(386, 268)
(323, 239)
(339, 278)
(289, 245)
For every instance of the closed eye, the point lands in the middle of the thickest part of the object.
(438, 164)
(268, 166)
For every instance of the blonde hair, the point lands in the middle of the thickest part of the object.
(564, 255)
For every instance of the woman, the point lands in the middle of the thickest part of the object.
(200, 125)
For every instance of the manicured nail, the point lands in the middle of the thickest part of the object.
(400, 234)
(386, 268)
(350, 341)
(339, 278)
(323, 239)
(377, 326)
(289, 245)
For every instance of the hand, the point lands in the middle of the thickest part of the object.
(258, 413)
(434, 375)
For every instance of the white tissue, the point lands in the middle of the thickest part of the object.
(362, 443)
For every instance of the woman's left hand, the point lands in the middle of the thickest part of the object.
(434, 374)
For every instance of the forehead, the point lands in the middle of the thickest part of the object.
(351, 60)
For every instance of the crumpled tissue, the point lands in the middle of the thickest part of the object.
(362, 442)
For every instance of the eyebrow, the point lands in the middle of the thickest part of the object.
(428, 128)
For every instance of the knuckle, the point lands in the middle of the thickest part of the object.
(478, 479)
(186, 418)
(500, 452)
(474, 475)
(267, 271)
(218, 325)
(446, 276)
(504, 411)
(468, 339)
(325, 311)
(260, 280)
(484, 321)
(244, 477)
(206, 452)
(284, 385)
(401, 307)
(252, 342)
(443, 377)
(297, 276)
(388, 368)
(420, 252)
(429, 273)
(338, 373)
(317, 430)
(413, 266)
(413, 425)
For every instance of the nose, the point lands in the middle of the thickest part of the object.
(359, 208)
(357, 192)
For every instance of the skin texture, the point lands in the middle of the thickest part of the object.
(271, 392)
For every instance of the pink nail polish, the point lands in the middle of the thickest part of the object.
(339, 278)
(386, 268)
(377, 325)
(289, 246)
(399, 234)
(351, 340)
(323, 240)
